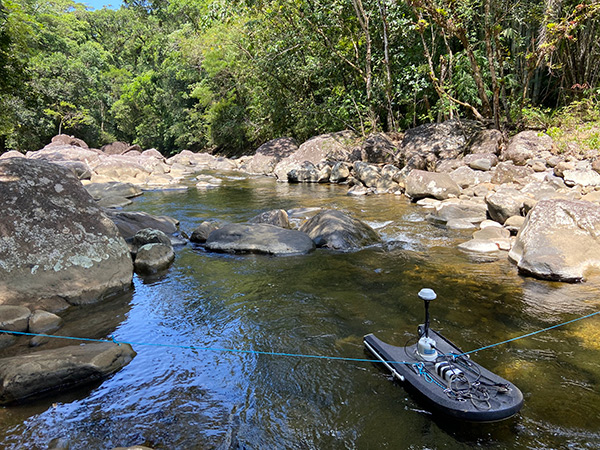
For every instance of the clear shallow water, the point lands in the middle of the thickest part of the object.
(319, 304)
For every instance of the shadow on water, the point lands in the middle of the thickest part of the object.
(321, 304)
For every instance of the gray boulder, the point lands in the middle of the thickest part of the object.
(130, 222)
(338, 231)
(581, 177)
(327, 147)
(55, 240)
(526, 145)
(340, 172)
(559, 240)
(507, 172)
(367, 174)
(307, 172)
(150, 236)
(43, 322)
(201, 233)
(420, 184)
(14, 318)
(481, 161)
(468, 210)
(504, 203)
(259, 238)
(152, 258)
(465, 176)
(112, 189)
(50, 371)
(277, 217)
(377, 148)
(486, 141)
(269, 154)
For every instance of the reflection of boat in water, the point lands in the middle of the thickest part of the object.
(447, 378)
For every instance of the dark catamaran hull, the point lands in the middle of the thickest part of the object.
(478, 395)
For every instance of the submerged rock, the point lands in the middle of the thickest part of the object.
(152, 258)
(53, 370)
(130, 222)
(259, 238)
(55, 240)
(335, 230)
(560, 240)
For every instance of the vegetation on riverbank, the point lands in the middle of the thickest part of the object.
(230, 75)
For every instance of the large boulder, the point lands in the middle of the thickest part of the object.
(14, 318)
(269, 154)
(277, 217)
(259, 238)
(504, 203)
(426, 145)
(335, 230)
(560, 240)
(526, 145)
(377, 148)
(152, 258)
(420, 184)
(54, 240)
(327, 147)
(113, 189)
(130, 222)
(49, 371)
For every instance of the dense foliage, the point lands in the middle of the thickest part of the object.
(231, 74)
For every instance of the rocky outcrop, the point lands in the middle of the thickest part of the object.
(377, 148)
(526, 145)
(338, 231)
(328, 147)
(559, 240)
(259, 238)
(50, 371)
(420, 184)
(269, 154)
(54, 240)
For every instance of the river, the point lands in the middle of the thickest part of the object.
(322, 304)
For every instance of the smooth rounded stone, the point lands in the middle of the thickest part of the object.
(152, 258)
(306, 173)
(368, 174)
(420, 184)
(526, 145)
(335, 230)
(201, 233)
(259, 238)
(429, 203)
(130, 222)
(460, 224)
(359, 190)
(112, 189)
(492, 233)
(12, 154)
(538, 165)
(507, 172)
(489, 223)
(504, 203)
(581, 177)
(560, 240)
(43, 322)
(514, 223)
(277, 217)
(114, 201)
(57, 242)
(481, 161)
(471, 211)
(466, 176)
(49, 371)
(14, 318)
(479, 246)
(340, 172)
(150, 236)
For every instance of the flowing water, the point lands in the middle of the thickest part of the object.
(319, 304)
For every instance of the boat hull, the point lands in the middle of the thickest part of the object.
(477, 395)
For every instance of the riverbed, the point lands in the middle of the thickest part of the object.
(223, 394)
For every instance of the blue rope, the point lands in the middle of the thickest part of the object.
(528, 334)
(293, 355)
(214, 349)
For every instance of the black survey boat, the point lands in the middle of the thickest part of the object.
(449, 380)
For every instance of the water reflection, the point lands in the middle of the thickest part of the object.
(320, 304)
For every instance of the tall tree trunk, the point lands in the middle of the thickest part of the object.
(386, 64)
